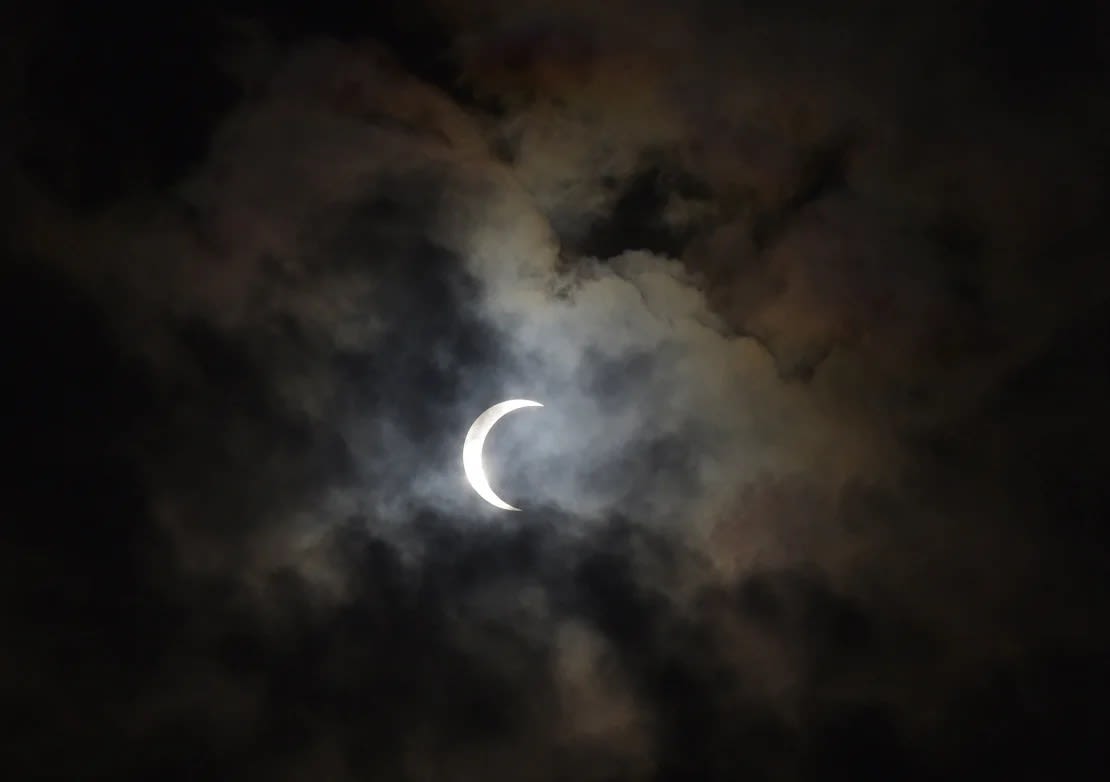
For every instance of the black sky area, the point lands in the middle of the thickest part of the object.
(815, 296)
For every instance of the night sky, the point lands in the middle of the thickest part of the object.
(816, 297)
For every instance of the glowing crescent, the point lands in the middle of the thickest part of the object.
(476, 440)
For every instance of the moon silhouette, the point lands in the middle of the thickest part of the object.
(476, 440)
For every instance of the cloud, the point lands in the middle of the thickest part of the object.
(772, 526)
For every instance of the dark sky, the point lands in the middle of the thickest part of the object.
(815, 296)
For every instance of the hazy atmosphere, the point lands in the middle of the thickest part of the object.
(814, 297)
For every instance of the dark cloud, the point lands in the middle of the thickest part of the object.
(113, 105)
(813, 297)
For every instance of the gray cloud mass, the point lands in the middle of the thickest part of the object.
(807, 301)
